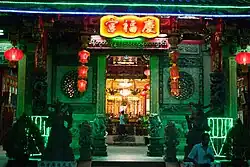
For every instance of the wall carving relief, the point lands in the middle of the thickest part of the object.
(187, 86)
(190, 64)
(64, 73)
(193, 76)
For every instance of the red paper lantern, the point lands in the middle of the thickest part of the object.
(243, 58)
(83, 72)
(174, 55)
(13, 54)
(147, 72)
(174, 72)
(83, 56)
(147, 87)
(82, 85)
(175, 91)
(143, 93)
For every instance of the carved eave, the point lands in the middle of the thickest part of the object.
(219, 7)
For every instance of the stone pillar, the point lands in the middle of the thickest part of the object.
(99, 123)
(21, 83)
(101, 85)
(39, 80)
(232, 88)
(155, 146)
(50, 75)
(154, 84)
(25, 66)
(217, 76)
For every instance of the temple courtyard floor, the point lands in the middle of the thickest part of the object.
(118, 156)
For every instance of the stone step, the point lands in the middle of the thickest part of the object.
(128, 144)
(127, 164)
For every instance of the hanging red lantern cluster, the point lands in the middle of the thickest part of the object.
(147, 72)
(143, 93)
(174, 73)
(243, 58)
(83, 71)
(13, 54)
(83, 56)
(147, 87)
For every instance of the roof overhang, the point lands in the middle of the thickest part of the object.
(109, 8)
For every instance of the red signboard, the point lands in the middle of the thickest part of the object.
(129, 26)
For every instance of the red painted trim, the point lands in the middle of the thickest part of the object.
(193, 42)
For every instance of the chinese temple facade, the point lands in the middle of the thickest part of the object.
(144, 58)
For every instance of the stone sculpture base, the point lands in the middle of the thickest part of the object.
(171, 164)
(99, 146)
(155, 147)
(84, 164)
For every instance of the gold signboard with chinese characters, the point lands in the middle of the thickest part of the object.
(129, 26)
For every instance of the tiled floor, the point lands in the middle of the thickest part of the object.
(128, 153)
(115, 153)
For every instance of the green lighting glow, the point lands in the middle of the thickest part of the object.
(126, 4)
(120, 39)
(40, 121)
(218, 134)
(219, 129)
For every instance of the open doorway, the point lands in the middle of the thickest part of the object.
(127, 94)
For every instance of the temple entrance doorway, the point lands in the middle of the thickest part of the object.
(127, 99)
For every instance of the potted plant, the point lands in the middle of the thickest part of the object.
(22, 140)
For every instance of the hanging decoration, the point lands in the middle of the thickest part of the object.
(83, 70)
(147, 87)
(174, 73)
(175, 91)
(83, 56)
(125, 92)
(143, 93)
(13, 54)
(243, 58)
(174, 55)
(82, 85)
(215, 48)
(147, 72)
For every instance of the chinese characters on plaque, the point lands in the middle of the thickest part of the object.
(129, 26)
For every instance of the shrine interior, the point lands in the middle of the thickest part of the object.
(128, 90)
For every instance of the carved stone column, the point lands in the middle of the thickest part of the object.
(21, 84)
(24, 96)
(101, 84)
(217, 76)
(99, 124)
(155, 147)
(232, 88)
(154, 84)
(39, 94)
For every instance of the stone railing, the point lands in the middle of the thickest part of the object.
(40, 121)
(218, 134)
(219, 129)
